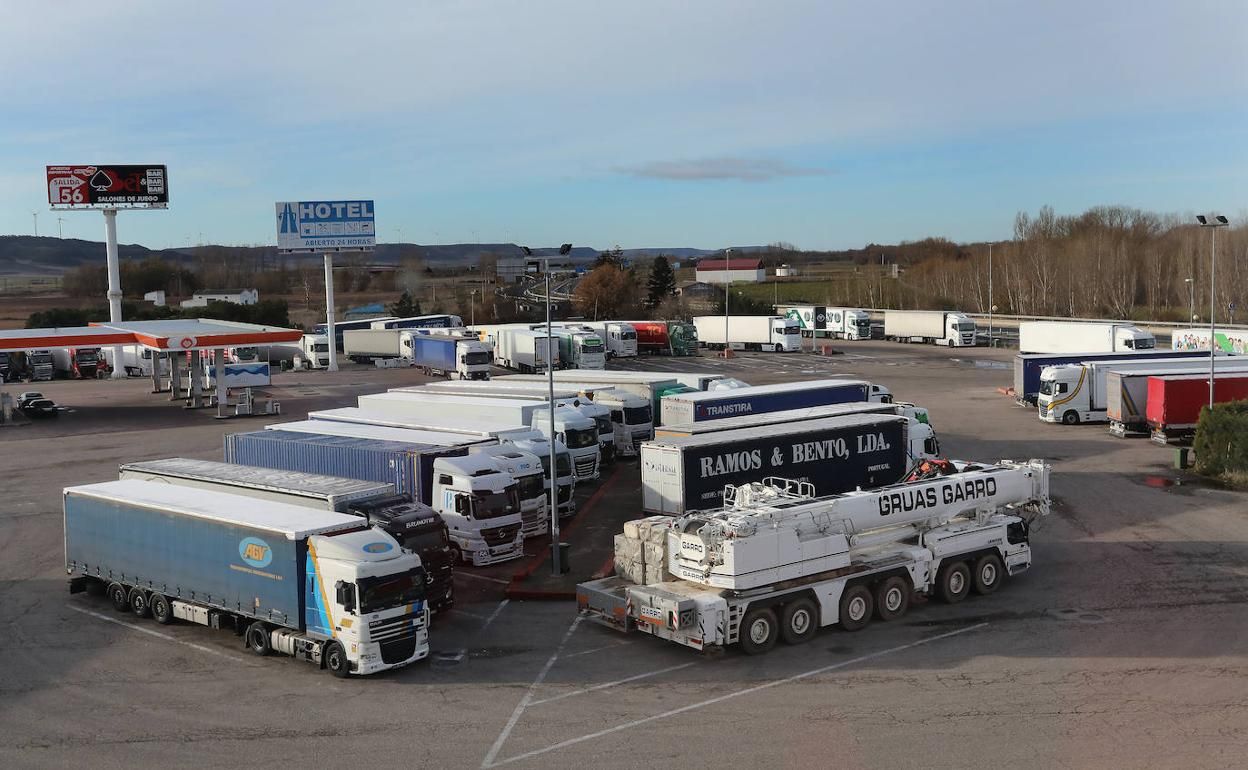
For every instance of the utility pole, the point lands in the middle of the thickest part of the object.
(1213, 222)
(35, 214)
(990, 295)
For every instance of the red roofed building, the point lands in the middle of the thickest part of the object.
(733, 270)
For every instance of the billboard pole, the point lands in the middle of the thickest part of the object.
(114, 284)
(329, 312)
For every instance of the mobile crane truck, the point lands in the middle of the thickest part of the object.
(778, 563)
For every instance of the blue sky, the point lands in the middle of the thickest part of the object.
(824, 124)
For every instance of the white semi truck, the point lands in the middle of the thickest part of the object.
(574, 429)
(522, 349)
(1082, 337)
(835, 322)
(749, 332)
(776, 563)
(1077, 393)
(579, 347)
(956, 330)
(619, 336)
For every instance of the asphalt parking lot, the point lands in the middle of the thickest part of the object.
(1123, 646)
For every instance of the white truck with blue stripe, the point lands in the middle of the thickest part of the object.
(312, 584)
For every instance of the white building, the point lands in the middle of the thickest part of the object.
(157, 297)
(735, 270)
(236, 296)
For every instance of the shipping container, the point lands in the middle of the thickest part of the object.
(686, 408)
(834, 454)
(409, 467)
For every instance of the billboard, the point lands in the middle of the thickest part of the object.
(108, 187)
(319, 226)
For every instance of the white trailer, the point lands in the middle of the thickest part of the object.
(835, 322)
(749, 332)
(525, 350)
(366, 345)
(1082, 337)
(776, 563)
(938, 327)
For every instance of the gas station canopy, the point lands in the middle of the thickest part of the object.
(169, 335)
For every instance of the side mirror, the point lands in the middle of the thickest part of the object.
(344, 592)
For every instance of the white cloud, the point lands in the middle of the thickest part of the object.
(739, 169)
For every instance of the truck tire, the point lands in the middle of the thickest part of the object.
(799, 621)
(139, 602)
(119, 596)
(989, 572)
(1070, 418)
(336, 660)
(892, 598)
(258, 640)
(953, 582)
(457, 555)
(759, 630)
(162, 610)
(856, 605)
(779, 348)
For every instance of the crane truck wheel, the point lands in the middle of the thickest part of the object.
(119, 596)
(1070, 418)
(799, 621)
(988, 574)
(892, 598)
(953, 582)
(759, 630)
(138, 602)
(856, 606)
(162, 610)
(258, 640)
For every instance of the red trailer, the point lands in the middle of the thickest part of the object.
(1174, 402)
(652, 337)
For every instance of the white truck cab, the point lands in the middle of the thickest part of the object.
(1065, 395)
(620, 338)
(578, 433)
(481, 507)
(632, 420)
(526, 468)
(579, 347)
(537, 443)
(314, 351)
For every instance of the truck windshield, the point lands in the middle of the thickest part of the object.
(636, 415)
(966, 326)
(477, 357)
(382, 593)
(603, 422)
(491, 505)
(580, 438)
(86, 356)
(591, 347)
(563, 465)
(320, 347)
(428, 538)
(628, 335)
(532, 486)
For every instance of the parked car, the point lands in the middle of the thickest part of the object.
(27, 397)
(40, 407)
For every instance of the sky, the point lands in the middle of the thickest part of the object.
(825, 124)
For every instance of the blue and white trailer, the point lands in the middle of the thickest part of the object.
(463, 358)
(438, 321)
(688, 408)
(313, 584)
(1028, 366)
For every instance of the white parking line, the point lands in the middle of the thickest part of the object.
(462, 574)
(528, 696)
(159, 635)
(608, 685)
(700, 704)
(495, 613)
(592, 650)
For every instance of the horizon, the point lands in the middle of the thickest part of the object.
(697, 126)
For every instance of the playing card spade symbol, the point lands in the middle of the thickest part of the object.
(101, 181)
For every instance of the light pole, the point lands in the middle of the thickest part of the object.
(727, 286)
(1213, 222)
(472, 308)
(991, 307)
(1191, 300)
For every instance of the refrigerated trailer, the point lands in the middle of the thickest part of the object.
(834, 322)
(1028, 366)
(415, 526)
(686, 408)
(897, 408)
(1074, 336)
(930, 326)
(1175, 401)
(285, 576)
(833, 454)
(749, 332)
(340, 327)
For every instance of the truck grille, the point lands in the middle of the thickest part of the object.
(641, 436)
(394, 629)
(398, 650)
(585, 467)
(500, 535)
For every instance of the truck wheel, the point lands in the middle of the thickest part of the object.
(457, 555)
(138, 602)
(162, 610)
(892, 598)
(258, 640)
(949, 343)
(953, 582)
(856, 604)
(1070, 418)
(988, 574)
(336, 660)
(119, 596)
(759, 630)
(779, 348)
(799, 621)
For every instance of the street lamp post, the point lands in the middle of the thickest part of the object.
(472, 308)
(1191, 300)
(990, 305)
(727, 287)
(1213, 222)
